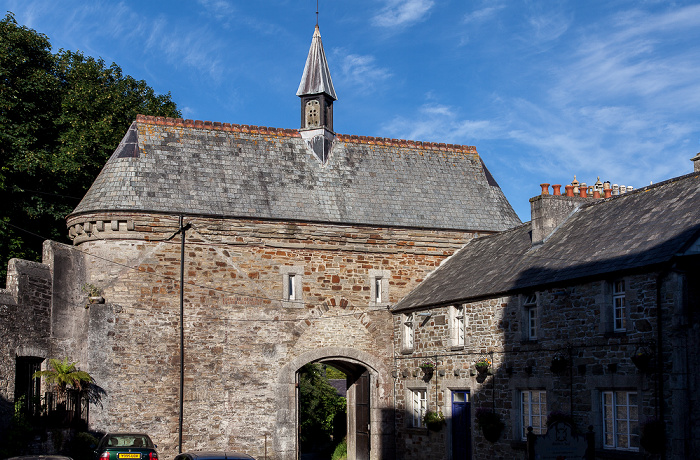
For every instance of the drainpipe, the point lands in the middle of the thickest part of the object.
(182, 231)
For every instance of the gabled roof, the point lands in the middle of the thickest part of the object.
(643, 228)
(316, 78)
(180, 166)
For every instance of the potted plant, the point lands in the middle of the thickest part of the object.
(428, 367)
(94, 294)
(434, 420)
(490, 424)
(653, 436)
(482, 365)
(559, 364)
(642, 359)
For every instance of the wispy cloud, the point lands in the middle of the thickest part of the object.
(400, 13)
(360, 71)
(483, 14)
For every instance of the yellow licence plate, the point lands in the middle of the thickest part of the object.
(136, 455)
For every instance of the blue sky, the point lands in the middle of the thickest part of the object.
(543, 89)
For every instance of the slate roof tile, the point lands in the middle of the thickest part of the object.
(224, 170)
(643, 228)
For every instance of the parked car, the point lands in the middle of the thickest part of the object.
(40, 457)
(213, 456)
(126, 446)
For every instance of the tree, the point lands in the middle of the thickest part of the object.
(62, 374)
(319, 406)
(61, 117)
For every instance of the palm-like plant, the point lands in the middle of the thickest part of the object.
(63, 373)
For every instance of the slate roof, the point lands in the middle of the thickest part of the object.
(202, 168)
(316, 78)
(639, 229)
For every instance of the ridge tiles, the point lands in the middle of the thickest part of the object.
(286, 132)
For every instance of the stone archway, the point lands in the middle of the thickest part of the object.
(366, 379)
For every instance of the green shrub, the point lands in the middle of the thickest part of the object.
(341, 451)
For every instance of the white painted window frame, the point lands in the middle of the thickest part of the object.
(379, 287)
(619, 305)
(533, 412)
(620, 416)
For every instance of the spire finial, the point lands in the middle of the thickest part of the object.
(316, 13)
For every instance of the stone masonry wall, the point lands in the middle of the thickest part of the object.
(243, 340)
(24, 324)
(573, 324)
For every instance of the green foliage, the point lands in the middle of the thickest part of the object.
(82, 446)
(319, 406)
(341, 451)
(64, 373)
(18, 434)
(334, 374)
(61, 117)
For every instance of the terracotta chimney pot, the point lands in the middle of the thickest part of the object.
(608, 192)
(596, 194)
(582, 191)
(556, 189)
(545, 189)
(569, 190)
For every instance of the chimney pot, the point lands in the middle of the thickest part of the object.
(596, 194)
(556, 189)
(582, 190)
(608, 192)
(545, 189)
(569, 190)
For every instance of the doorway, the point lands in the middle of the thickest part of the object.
(356, 425)
(461, 425)
(27, 387)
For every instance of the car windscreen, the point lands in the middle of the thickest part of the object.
(129, 440)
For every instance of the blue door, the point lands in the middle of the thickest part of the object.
(461, 426)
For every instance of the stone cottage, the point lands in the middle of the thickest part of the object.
(227, 257)
(591, 311)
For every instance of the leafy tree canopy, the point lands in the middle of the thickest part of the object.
(61, 117)
(319, 406)
(62, 374)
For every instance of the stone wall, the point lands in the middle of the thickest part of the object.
(24, 324)
(573, 324)
(244, 341)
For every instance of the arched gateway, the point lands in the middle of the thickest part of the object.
(370, 413)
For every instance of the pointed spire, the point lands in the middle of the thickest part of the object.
(316, 78)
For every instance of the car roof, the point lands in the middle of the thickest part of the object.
(40, 457)
(214, 455)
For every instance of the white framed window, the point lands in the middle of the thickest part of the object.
(530, 316)
(458, 326)
(378, 290)
(379, 287)
(292, 285)
(619, 306)
(620, 420)
(408, 331)
(419, 405)
(533, 410)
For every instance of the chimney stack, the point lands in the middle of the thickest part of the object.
(550, 211)
(696, 162)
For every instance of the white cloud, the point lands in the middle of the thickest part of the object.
(482, 15)
(360, 71)
(399, 13)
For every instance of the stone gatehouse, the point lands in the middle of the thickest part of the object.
(229, 256)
